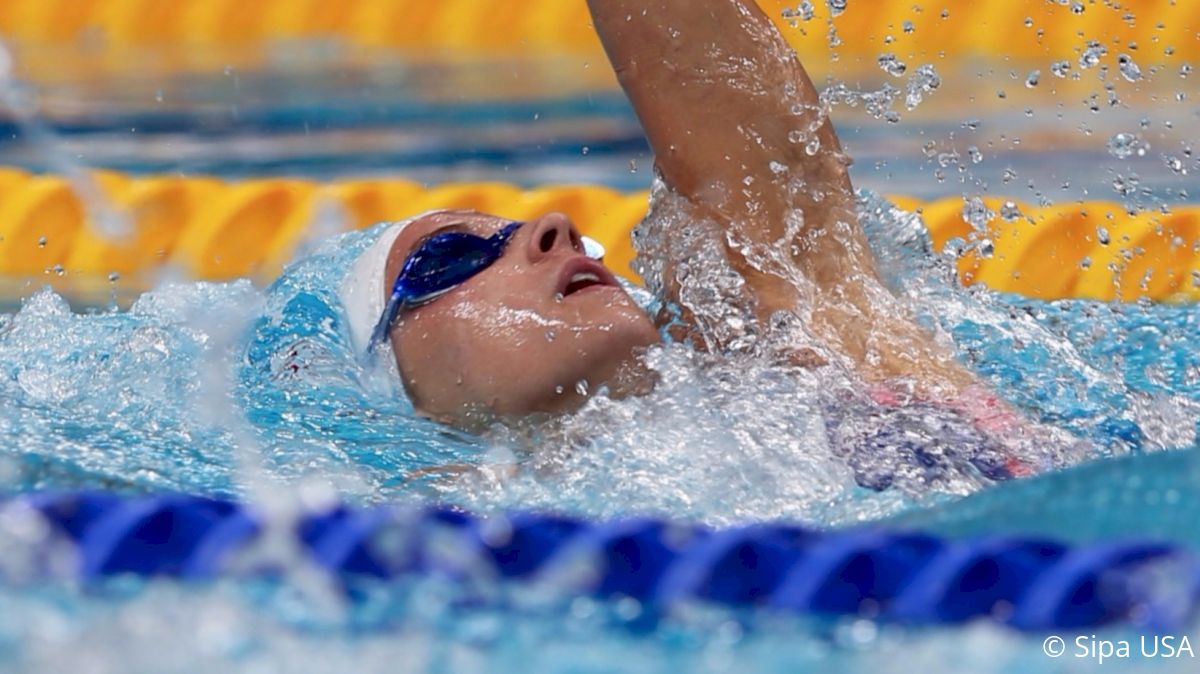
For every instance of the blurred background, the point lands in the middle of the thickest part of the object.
(224, 130)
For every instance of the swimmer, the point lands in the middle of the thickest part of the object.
(483, 316)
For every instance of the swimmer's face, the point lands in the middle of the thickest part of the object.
(525, 335)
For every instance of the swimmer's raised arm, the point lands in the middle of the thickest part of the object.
(737, 128)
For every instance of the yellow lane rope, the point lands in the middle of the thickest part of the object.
(1153, 30)
(213, 229)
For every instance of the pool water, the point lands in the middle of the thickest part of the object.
(235, 390)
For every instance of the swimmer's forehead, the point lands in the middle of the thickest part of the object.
(483, 224)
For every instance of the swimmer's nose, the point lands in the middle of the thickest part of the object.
(553, 233)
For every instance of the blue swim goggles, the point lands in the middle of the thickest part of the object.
(441, 263)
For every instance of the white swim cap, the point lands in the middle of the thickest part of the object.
(363, 290)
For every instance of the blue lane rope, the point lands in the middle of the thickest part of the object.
(1027, 583)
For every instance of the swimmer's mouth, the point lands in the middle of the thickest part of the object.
(582, 273)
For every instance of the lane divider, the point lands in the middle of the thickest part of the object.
(215, 230)
(1026, 583)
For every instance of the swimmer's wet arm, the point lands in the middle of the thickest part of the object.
(725, 104)
(732, 118)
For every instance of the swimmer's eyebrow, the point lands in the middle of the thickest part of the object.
(461, 226)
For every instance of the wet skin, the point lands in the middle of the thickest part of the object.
(537, 331)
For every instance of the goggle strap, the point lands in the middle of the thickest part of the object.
(379, 334)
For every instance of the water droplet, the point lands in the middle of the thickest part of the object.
(986, 248)
(1185, 70)
(836, 7)
(58, 270)
(1029, 22)
(1085, 263)
(777, 168)
(813, 147)
(113, 277)
(1102, 235)
(1175, 164)
(803, 12)
(922, 82)
(158, 95)
(975, 155)
(1009, 175)
(976, 213)
(908, 26)
(1092, 54)
(550, 335)
(1126, 185)
(585, 150)
(892, 65)
(1033, 79)
(1060, 68)
(1010, 211)
(581, 387)
(1129, 69)
(633, 168)
(42, 241)
(559, 389)
(1077, 7)
(1125, 145)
